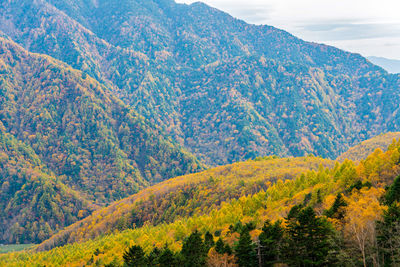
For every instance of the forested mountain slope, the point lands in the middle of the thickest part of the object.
(186, 196)
(350, 199)
(75, 130)
(224, 89)
(362, 150)
(34, 203)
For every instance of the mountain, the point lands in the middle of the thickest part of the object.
(224, 89)
(74, 146)
(34, 202)
(362, 150)
(360, 186)
(391, 65)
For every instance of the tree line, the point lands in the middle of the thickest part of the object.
(303, 238)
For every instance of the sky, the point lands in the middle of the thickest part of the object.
(368, 27)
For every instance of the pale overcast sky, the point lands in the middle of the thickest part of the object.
(368, 27)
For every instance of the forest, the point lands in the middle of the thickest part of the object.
(224, 89)
(68, 147)
(155, 133)
(341, 215)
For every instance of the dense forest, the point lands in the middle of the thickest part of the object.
(224, 89)
(152, 133)
(362, 150)
(194, 194)
(64, 124)
(350, 209)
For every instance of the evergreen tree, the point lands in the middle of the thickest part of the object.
(388, 230)
(245, 250)
(335, 211)
(194, 252)
(134, 257)
(153, 257)
(307, 238)
(393, 192)
(208, 240)
(167, 258)
(228, 249)
(271, 240)
(220, 246)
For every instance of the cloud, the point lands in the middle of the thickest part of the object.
(337, 30)
(252, 13)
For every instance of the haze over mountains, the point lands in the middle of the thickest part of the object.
(128, 93)
(391, 65)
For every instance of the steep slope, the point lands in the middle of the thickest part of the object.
(362, 150)
(186, 196)
(87, 138)
(361, 187)
(224, 89)
(34, 203)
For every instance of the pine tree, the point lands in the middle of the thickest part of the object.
(134, 257)
(389, 236)
(271, 241)
(167, 258)
(194, 252)
(208, 240)
(220, 246)
(393, 192)
(335, 211)
(152, 258)
(389, 228)
(307, 238)
(245, 250)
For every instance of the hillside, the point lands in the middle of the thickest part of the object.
(34, 202)
(186, 196)
(362, 150)
(361, 187)
(224, 89)
(85, 140)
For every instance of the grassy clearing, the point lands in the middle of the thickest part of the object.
(13, 248)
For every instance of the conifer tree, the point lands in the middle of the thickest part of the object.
(307, 238)
(220, 246)
(167, 258)
(335, 211)
(393, 192)
(208, 240)
(194, 252)
(271, 241)
(152, 258)
(134, 257)
(245, 250)
(389, 236)
(389, 228)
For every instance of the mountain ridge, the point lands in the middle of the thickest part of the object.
(148, 68)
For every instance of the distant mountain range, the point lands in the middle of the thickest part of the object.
(104, 98)
(391, 65)
(224, 89)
